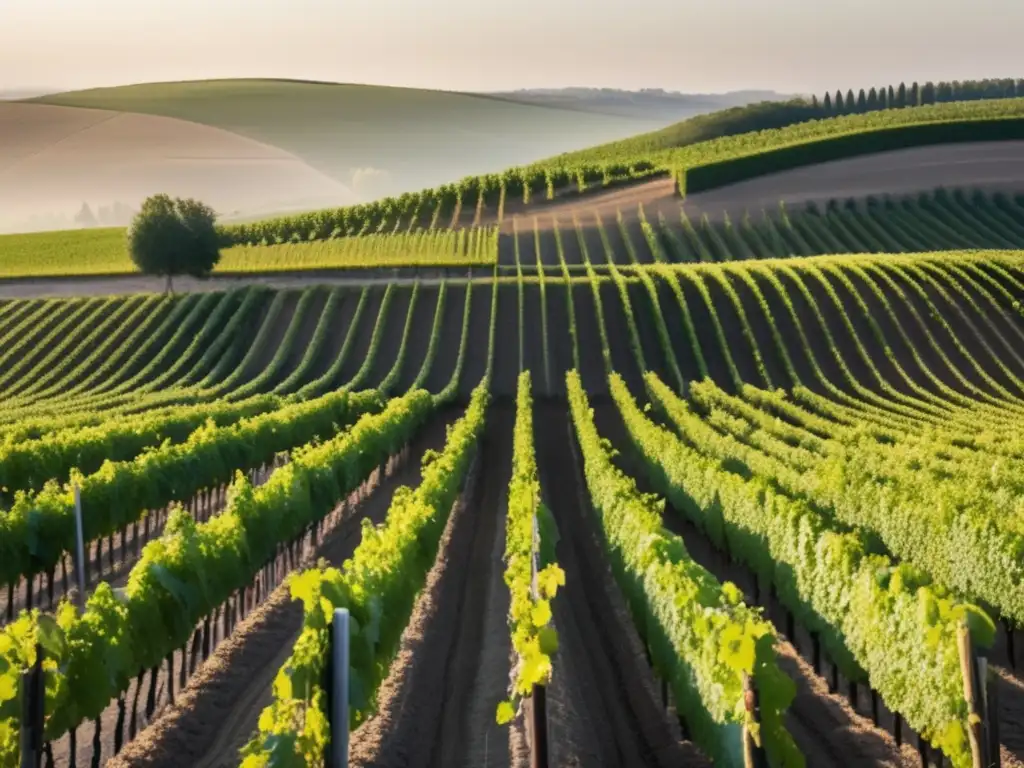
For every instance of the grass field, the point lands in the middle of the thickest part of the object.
(103, 252)
(72, 251)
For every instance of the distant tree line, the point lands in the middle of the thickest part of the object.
(915, 95)
(116, 215)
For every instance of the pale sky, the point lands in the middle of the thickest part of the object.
(687, 45)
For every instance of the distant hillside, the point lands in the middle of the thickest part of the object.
(375, 140)
(649, 104)
(16, 94)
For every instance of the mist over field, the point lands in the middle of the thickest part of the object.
(256, 148)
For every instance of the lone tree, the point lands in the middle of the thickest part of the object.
(171, 237)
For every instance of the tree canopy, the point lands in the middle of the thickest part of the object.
(170, 237)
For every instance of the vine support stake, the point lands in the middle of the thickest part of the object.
(33, 698)
(79, 550)
(969, 670)
(339, 688)
(753, 755)
(539, 727)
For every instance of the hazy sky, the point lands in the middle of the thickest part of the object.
(689, 45)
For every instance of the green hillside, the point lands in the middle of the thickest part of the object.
(380, 140)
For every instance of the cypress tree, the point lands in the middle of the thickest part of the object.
(839, 103)
(814, 102)
(862, 101)
(901, 96)
(892, 98)
(928, 93)
(873, 100)
(851, 101)
(1019, 88)
(915, 95)
(828, 103)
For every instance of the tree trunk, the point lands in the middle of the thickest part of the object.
(170, 288)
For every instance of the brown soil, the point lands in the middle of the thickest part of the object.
(159, 342)
(360, 346)
(308, 324)
(507, 248)
(560, 343)
(447, 353)
(1010, 692)
(438, 703)
(736, 341)
(391, 338)
(534, 340)
(217, 713)
(603, 702)
(675, 323)
(654, 195)
(419, 336)
(506, 342)
(759, 326)
(849, 308)
(711, 348)
(650, 341)
(263, 357)
(482, 653)
(620, 340)
(338, 321)
(816, 338)
(478, 343)
(588, 334)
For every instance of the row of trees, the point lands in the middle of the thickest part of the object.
(916, 95)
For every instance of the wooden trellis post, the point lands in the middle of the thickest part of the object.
(982, 719)
(753, 755)
(538, 704)
(33, 714)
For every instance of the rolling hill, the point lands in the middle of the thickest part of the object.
(55, 159)
(378, 140)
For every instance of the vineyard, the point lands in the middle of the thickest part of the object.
(598, 478)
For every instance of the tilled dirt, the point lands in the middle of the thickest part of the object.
(481, 656)
(437, 705)
(218, 711)
(1010, 693)
(603, 701)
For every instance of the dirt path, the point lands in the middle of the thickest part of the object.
(436, 707)
(604, 708)
(218, 711)
(481, 655)
(657, 195)
(991, 166)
